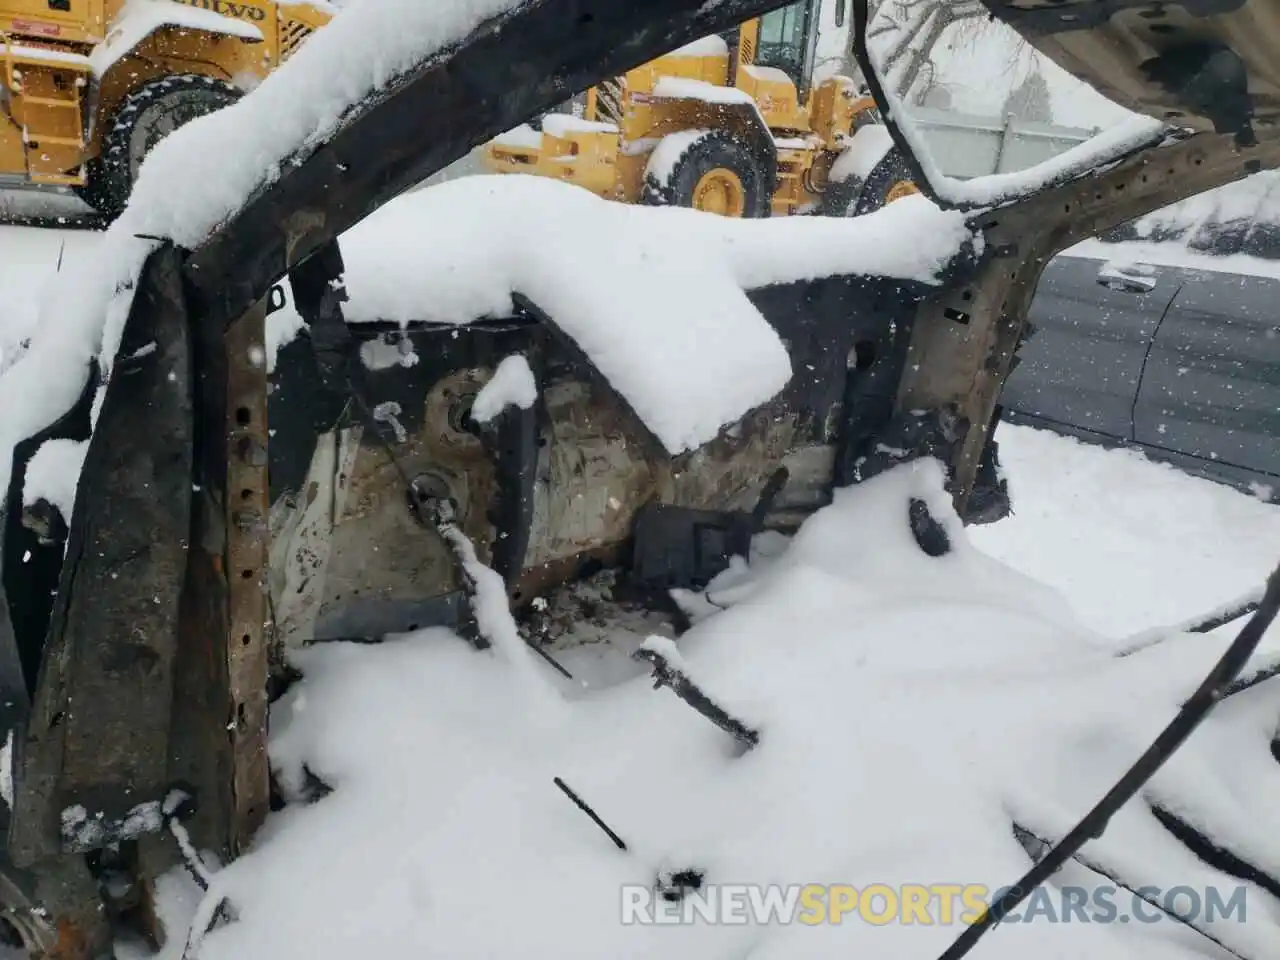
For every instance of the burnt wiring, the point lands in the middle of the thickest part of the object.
(586, 808)
(1027, 838)
(1205, 623)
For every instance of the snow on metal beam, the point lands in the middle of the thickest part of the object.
(511, 67)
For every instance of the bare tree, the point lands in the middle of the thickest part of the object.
(904, 33)
(1030, 100)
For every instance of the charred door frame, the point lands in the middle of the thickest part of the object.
(964, 342)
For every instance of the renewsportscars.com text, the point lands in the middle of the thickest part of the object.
(925, 904)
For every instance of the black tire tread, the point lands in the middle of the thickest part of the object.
(892, 168)
(109, 183)
(856, 197)
(716, 148)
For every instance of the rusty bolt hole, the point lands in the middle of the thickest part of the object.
(246, 494)
(243, 416)
(246, 574)
(246, 640)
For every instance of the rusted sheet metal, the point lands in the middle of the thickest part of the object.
(593, 477)
(964, 340)
(345, 542)
(98, 742)
(247, 538)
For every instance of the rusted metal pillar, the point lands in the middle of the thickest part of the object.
(248, 545)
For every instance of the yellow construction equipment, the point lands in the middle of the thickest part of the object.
(88, 87)
(731, 124)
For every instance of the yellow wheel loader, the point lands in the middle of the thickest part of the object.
(730, 124)
(88, 87)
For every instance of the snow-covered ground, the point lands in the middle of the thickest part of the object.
(29, 261)
(909, 710)
(1131, 543)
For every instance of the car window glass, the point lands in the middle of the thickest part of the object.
(782, 39)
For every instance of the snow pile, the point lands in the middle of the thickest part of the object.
(523, 136)
(512, 385)
(1182, 545)
(495, 623)
(564, 124)
(712, 46)
(53, 474)
(433, 255)
(1176, 253)
(31, 263)
(654, 296)
(686, 88)
(1239, 218)
(138, 19)
(670, 149)
(866, 148)
(235, 150)
(1256, 198)
(908, 709)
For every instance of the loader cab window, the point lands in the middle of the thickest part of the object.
(784, 40)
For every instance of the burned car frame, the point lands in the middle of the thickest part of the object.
(151, 703)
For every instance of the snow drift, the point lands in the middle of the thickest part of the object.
(909, 709)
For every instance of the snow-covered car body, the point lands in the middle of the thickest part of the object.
(622, 418)
(153, 689)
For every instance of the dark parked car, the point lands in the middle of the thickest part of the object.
(1169, 348)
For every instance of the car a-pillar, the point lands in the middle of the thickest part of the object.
(154, 672)
(965, 337)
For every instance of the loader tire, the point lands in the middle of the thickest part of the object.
(712, 172)
(144, 118)
(889, 180)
